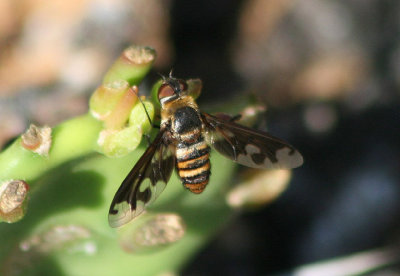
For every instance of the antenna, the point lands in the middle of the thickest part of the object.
(147, 114)
(163, 77)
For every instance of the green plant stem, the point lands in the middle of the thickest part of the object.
(65, 230)
(71, 139)
(132, 66)
(78, 193)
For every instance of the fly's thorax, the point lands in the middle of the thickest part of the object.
(186, 122)
(169, 109)
(183, 118)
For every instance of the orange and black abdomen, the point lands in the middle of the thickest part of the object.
(192, 152)
(193, 164)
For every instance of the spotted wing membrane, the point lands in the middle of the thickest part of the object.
(144, 182)
(250, 147)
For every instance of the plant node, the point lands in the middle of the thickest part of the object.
(258, 188)
(37, 139)
(13, 198)
(157, 230)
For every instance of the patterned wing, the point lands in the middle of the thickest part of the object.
(144, 182)
(250, 147)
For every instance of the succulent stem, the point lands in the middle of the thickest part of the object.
(132, 66)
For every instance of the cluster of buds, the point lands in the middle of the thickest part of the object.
(116, 102)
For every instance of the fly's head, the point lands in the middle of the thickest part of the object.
(171, 89)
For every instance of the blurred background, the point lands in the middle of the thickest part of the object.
(328, 72)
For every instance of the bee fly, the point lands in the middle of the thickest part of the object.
(183, 142)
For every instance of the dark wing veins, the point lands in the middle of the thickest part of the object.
(249, 147)
(144, 183)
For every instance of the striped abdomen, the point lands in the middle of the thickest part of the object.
(192, 152)
(193, 164)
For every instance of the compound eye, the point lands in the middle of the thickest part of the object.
(165, 90)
